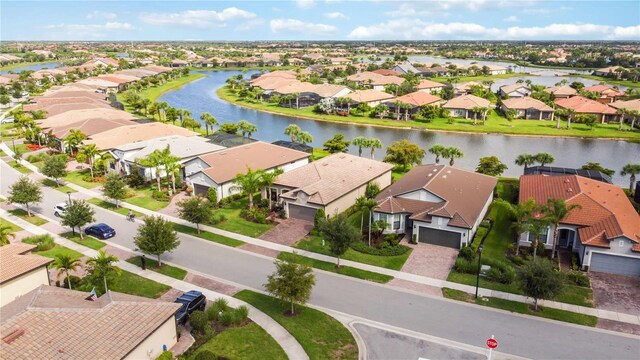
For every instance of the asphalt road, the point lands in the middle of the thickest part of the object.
(470, 324)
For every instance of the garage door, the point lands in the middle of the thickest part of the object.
(439, 237)
(615, 264)
(301, 212)
(200, 189)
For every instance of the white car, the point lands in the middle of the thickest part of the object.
(60, 209)
(7, 120)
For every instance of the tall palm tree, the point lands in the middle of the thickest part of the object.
(292, 131)
(369, 205)
(476, 110)
(554, 211)
(359, 205)
(90, 152)
(247, 128)
(373, 144)
(253, 181)
(74, 138)
(525, 160)
(171, 164)
(360, 142)
(209, 120)
(570, 114)
(153, 160)
(484, 112)
(521, 213)
(304, 137)
(632, 170)
(544, 158)
(102, 266)
(437, 150)
(635, 114)
(622, 112)
(65, 263)
(535, 228)
(452, 153)
(6, 232)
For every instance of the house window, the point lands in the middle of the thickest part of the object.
(621, 243)
(396, 222)
(542, 238)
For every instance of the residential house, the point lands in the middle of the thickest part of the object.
(52, 323)
(178, 63)
(127, 156)
(434, 71)
(387, 72)
(370, 96)
(582, 105)
(605, 93)
(604, 230)
(374, 80)
(462, 106)
(136, 132)
(21, 271)
(611, 71)
(436, 204)
(219, 169)
(514, 91)
(339, 61)
(629, 105)
(406, 68)
(227, 140)
(465, 88)
(561, 92)
(332, 183)
(528, 108)
(415, 100)
(562, 171)
(431, 87)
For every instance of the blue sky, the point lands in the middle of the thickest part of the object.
(321, 20)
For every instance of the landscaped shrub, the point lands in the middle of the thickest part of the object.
(392, 239)
(217, 307)
(242, 313)
(467, 253)
(212, 196)
(205, 355)
(388, 251)
(256, 215)
(575, 262)
(228, 318)
(217, 219)
(37, 157)
(320, 214)
(500, 272)
(518, 260)
(166, 355)
(465, 266)
(579, 279)
(199, 321)
(75, 281)
(136, 179)
(160, 195)
(43, 242)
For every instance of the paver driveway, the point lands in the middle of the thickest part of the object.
(616, 292)
(430, 260)
(288, 232)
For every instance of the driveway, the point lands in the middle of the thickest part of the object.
(616, 292)
(288, 232)
(430, 260)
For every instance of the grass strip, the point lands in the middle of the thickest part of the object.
(208, 235)
(88, 241)
(34, 219)
(331, 267)
(165, 269)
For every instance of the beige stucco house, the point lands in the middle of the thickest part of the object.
(21, 271)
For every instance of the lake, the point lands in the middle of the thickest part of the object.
(200, 96)
(33, 67)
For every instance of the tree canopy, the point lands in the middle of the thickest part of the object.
(25, 192)
(291, 283)
(404, 153)
(156, 236)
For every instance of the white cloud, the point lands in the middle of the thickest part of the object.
(415, 29)
(101, 15)
(90, 31)
(201, 19)
(305, 4)
(425, 9)
(250, 25)
(280, 26)
(335, 15)
(511, 18)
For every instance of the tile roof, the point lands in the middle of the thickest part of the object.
(16, 260)
(467, 102)
(583, 105)
(331, 177)
(135, 132)
(524, 103)
(368, 77)
(368, 95)
(563, 90)
(627, 104)
(225, 165)
(429, 84)
(418, 98)
(604, 90)
(52, 323)
(463, 193)
(513, 87)
(180, 146)
(605, 211)
(387, 72)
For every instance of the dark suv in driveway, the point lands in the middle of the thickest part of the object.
(191, 301)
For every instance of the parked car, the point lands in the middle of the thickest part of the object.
(191, 301)
(60, 209)
(8, 120)
(101, 231)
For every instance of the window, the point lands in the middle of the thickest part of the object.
(542, 238)
(396, 222)
(621, 243)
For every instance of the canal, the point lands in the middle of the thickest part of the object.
(200, 96)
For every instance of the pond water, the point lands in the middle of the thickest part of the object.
(200, 96)
(33, 67)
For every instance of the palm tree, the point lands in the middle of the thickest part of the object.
(90, 152)
(74, 138)
(373, 144)
(247, 128)
(369, 205)
(452, 153)
(525, 160)
(521, 213)
(622, 112)
(632, 170)
(103, 266)
(544, 158)
(292, 131)
(360, 142)
(145, 104)
(634, 116)
(6, 232)
(360, 206)
(209, 120)
(171, 165)
(555, 210)
(254, 181)
(438, 151)
(65, 263)
(103, 160)
(570, 114)
(484, 112)
(305, 137)
(476, 110)
(535, 228)
(153, 160)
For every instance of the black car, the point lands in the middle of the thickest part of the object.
(101, 231)
(191, 301)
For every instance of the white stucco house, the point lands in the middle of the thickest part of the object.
(21, 271)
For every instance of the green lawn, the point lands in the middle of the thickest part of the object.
(397, 173)
(133, 284)
(165, 269)
(88, 241)
(9, 132)
(314, 243)
(331, 267)
(521, 308)
(627, 83)
(208, 236)
(2, 153)
(13, 227)
(235, 223)
(76, 178)
(35, 219)
(109, 206)
(321, 336)
(21, 168)
(59, 250)
(494, 124)
(250, 342)
(144, 199)
(52, 184)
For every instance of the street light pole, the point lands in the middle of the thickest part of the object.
(69, 195)
(479, 265)
(13, 142)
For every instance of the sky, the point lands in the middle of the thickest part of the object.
(320, 20)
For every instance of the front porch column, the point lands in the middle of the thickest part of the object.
(553, 113)
(540, 117)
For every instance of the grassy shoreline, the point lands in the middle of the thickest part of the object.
(494, 125)
(153, 93)
(25, 63)
(627, 83)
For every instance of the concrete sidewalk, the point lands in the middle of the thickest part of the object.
(603, 314)
(289, 344)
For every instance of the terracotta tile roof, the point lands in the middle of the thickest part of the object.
(585, 106)
(604, 208)
(225, 165)
(368, 95)
(16, 260)
(75, 116)
(368, 77)
(331, 177)
(418, 98)
(563, 90)
(135, 132)
(428, 84)
(524, 103)
(52, 323)
(467, 102)
(628, 104)
(463, 193)
(604, 90)
(387, 72)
